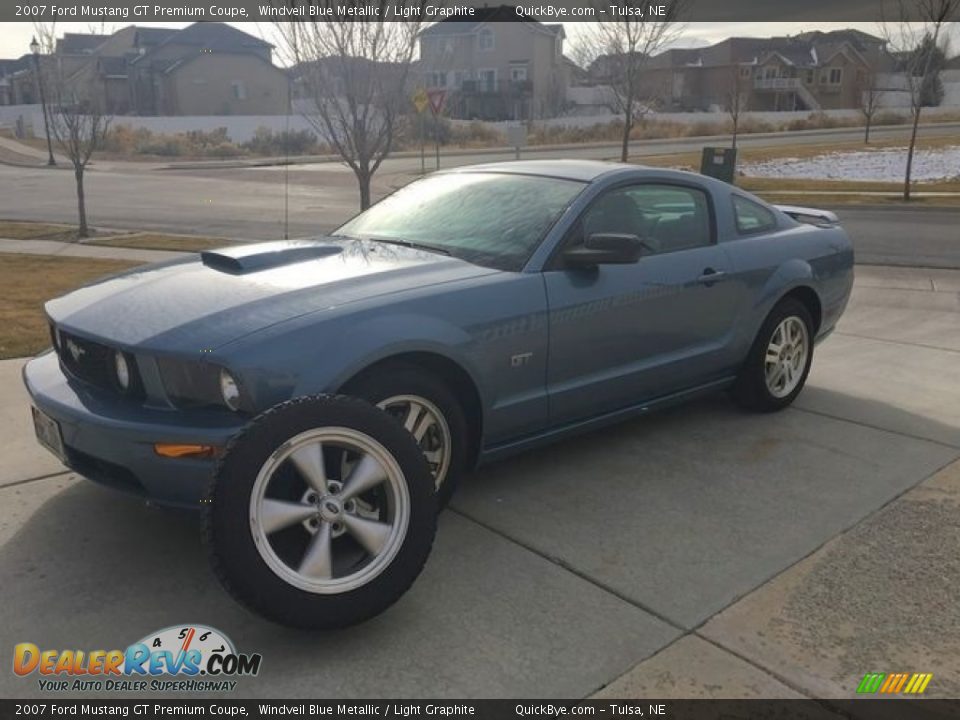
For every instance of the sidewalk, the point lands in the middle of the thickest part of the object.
(21, 154)
(52, 247)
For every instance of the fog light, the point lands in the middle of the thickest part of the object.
(123, 370)
(229, 390)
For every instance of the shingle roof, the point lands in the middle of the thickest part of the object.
(463, 25)
(78, 43)
(216, 36)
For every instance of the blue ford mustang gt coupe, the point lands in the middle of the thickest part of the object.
(318, 400)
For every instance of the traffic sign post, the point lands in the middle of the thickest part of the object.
(437, 98)
(420, 102)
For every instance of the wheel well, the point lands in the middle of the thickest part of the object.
(811, 301)
(455, 377)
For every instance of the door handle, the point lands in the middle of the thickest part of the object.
(709, 276)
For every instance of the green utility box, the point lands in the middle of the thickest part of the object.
(719, 163)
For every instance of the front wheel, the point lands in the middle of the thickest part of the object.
(321, 513)
(779, 361)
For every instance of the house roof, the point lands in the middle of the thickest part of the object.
(79, 43)
(149, 36)
(215, 36)
(465, 25)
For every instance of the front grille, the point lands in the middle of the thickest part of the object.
(93, 363)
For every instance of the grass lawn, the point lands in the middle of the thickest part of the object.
(162, 241)
(30, 280)
(17, 230)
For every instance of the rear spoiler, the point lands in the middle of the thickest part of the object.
(810, 216)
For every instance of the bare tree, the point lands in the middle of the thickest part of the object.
(737, 98)
(353, 76)
(81, 126)
(624, 46)
(869, 99)
(916, 38)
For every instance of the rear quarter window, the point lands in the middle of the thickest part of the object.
(752, 217)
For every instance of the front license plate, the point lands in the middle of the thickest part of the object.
(48, 433)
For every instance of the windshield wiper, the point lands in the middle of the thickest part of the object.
(409, 244)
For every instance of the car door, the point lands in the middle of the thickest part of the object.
(624, 334)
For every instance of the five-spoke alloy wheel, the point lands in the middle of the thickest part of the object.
(322, 512)
(779, 360)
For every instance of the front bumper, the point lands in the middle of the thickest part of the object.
(110, 440)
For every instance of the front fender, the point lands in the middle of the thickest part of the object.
(377, 338)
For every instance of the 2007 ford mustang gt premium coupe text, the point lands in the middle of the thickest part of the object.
(320, 399)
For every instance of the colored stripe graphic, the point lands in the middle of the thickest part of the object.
(894, 683)
(870, 683)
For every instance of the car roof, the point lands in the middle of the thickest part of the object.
(580, 170)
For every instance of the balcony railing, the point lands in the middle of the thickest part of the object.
(509, 87)
(776, 83)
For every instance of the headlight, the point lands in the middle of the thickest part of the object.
(229, 390)
(122, 369)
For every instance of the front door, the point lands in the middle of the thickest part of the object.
(624, 334)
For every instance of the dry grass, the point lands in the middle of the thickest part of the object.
(162, 241)
(16, 230)
(856, 199)
(30, 280)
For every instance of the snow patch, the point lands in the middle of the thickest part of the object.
(881, 165)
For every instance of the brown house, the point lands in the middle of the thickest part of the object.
(811, 71)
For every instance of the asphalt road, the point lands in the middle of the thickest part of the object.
(252, 203)
(700, 552)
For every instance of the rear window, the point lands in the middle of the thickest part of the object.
(752, 217)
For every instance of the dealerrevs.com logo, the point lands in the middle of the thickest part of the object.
(180, 658)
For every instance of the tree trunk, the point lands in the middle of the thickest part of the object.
(913, 144)
(363, 180)
(84, 231)
(866, 133)
(627, 127)
(734, 143)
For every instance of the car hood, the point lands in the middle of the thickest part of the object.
(204, 301)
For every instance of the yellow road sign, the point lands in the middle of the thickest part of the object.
(420, 100)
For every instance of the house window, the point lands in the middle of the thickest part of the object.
(485, 39)
(744, 72)
(239, 90)
(836, 75)
(437, 79)
(518, 73)
(488, 80)
(809, 78)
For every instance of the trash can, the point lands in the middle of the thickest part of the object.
(719, 163)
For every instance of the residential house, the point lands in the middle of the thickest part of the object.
(810, 71)
(496, 65)
(207, 68)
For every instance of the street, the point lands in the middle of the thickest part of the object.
(250, 204)
(699, 552)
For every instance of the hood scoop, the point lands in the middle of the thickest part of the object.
(264, 256)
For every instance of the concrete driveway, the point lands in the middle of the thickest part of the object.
(699, 552)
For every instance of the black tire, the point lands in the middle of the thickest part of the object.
(750, 390)
(229, 525)
(400, 379)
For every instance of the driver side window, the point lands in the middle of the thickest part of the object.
(666, 218)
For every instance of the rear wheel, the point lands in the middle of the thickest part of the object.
(429, 411)
(779, 361)
(321, 513)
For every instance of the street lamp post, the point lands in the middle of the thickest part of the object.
(35, 49)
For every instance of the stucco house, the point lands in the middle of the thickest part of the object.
(496, 65)
(207, 68)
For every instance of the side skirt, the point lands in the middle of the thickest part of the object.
(512, 447)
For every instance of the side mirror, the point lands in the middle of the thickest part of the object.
(605, 249)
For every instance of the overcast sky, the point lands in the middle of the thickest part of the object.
(15, 37)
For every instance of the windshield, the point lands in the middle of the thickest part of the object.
(492, 219)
